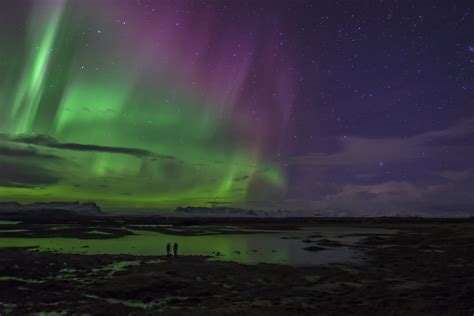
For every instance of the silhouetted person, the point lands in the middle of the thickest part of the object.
(175, 249)
(168, 249)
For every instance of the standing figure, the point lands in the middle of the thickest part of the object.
(168, 249)
(175, 249)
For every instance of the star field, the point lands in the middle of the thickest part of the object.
(345, 107)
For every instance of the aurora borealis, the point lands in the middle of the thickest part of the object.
(272, 104)
(149, 120)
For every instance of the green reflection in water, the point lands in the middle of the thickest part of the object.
(242, 248)
(9, 222)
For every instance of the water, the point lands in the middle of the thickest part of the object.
(258, 247)
(9, 222)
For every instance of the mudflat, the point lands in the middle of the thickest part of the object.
(403, 267)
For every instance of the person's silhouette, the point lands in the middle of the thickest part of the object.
(168, 249)
(175, 249)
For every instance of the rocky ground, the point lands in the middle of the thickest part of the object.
(425, 269)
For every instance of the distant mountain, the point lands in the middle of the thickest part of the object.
(237, 212)
(38, 208)
(230, 212)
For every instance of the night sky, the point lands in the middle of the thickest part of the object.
(345, 107)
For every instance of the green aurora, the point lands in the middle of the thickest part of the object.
(79, 122)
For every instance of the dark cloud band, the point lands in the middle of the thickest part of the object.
(48, 141)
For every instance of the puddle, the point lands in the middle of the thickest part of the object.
(98, 232)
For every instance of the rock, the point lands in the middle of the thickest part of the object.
(329, 243)
(314, 248)
(261, 303)
(238, 212)
(312, 278)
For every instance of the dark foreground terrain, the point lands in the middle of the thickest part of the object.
(426, 268)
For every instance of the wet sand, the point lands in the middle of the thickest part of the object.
(424, 268)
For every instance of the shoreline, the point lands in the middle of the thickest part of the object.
(423, 269)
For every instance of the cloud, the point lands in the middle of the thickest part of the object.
(236, 179)
(26, 167)
(453, 198)
(459, 135)
(23, 153)
(361, 151)
(22, 175)
(50, 142)
(357, 151)
(429, 173)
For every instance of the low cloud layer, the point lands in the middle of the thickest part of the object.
(426, 174)
(48, 141)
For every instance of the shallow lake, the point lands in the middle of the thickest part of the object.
(281, 247)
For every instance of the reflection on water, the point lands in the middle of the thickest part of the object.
(9, 222)
(8, 230)
(252, 248)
